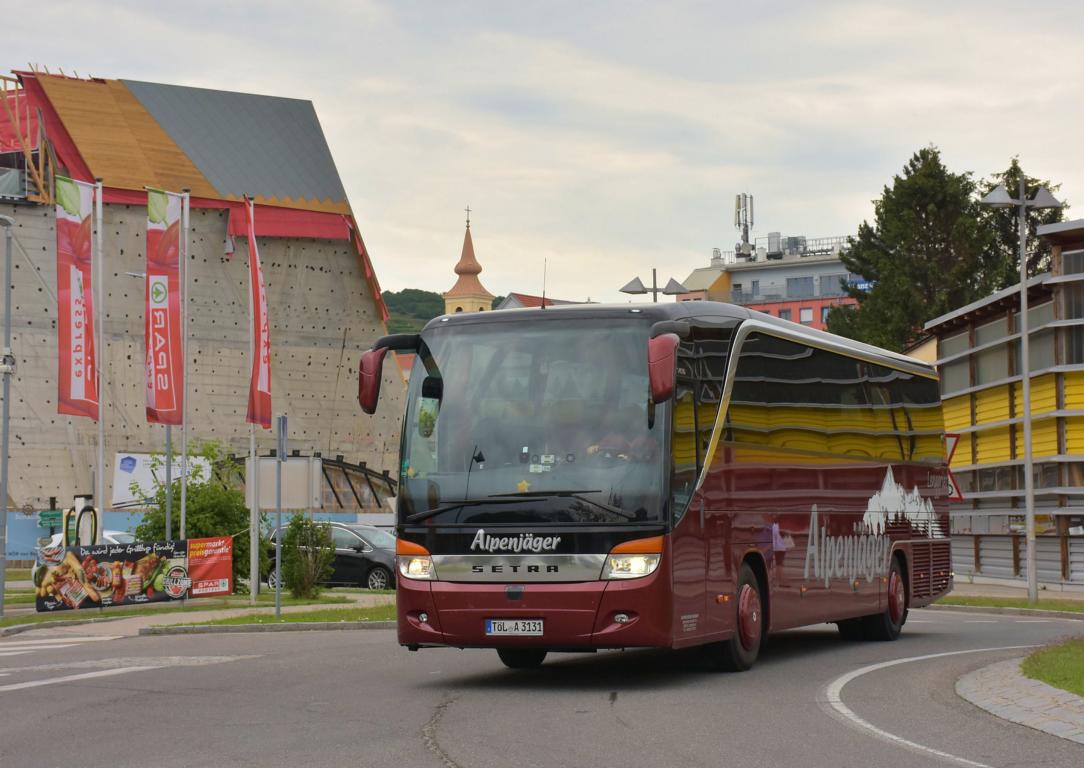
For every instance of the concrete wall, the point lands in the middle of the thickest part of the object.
(323, 316)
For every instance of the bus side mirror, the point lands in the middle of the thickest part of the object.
(661, 366)
(369, 379)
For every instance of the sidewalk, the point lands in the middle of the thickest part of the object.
(1002, 690)
(130, 625)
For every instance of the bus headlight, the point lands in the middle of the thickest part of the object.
(634, 559)
(630, 566)
(416, 567)
(414, 560)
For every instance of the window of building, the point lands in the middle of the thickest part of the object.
(1038, 316)
(1074, 345)
(1040, 350)
(756, 288)
(831, 285)
(784, 314)
(805, 315)
(800, 287)
(998, 329)
(955, 376)
(954, 345)
(991, 365)
(1072, 262)
(824, 315)
(1072, 301)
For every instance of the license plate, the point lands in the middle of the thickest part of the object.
(520, 627)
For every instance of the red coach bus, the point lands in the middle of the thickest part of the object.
(585, 477)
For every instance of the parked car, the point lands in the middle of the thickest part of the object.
(364, 557)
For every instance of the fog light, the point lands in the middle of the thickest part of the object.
(621, 618)
(423, 617)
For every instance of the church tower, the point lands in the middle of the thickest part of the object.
(468, 294)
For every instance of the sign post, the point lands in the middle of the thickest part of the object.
(278, 515)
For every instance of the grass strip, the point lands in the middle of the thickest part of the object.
(17, 574)
(371, 613)
(201, 604)
(1044, 604)
(1061, 666)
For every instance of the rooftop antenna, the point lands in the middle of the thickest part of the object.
(467, 209)
(743, 220)
(544, 283)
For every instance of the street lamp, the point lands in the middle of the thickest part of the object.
(999, 197)
(636, 286)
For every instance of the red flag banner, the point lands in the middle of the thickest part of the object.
(259, 388)
(162, 320)
(77, 374)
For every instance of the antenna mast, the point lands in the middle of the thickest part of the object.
(743, 221)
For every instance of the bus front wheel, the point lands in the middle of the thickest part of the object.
(522, 658)
(740, 652)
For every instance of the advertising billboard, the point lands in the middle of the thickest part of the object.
(104, 575)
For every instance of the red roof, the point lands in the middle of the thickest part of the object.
(527, 300)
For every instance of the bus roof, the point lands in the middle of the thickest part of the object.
(681, 310)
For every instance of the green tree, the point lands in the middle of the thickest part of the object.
(307, 554)
(926, 253)
(1005, 261)
(411, 308)
(212, 509)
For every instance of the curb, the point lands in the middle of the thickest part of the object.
(1038, 612)
(1003, 691)
(296, 626)
(15, 629)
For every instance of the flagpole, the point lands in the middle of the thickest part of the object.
(254, 514)
(253, 517)
(99, 357)
(184, 364)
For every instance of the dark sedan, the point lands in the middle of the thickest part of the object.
(364, 557)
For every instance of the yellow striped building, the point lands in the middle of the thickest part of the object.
(978, 351)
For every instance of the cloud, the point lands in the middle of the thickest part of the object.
(610, 138)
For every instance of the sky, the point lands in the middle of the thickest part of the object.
(594, 141)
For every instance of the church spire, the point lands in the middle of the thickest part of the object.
(468, 293)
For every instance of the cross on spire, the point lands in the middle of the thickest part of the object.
(467, 209)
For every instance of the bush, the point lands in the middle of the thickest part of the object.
(211, 510)
(307, 555)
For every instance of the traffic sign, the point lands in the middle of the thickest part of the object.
(951, 441)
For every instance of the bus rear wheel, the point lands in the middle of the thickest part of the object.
(522, 658)
(740, 652)
(888, 624)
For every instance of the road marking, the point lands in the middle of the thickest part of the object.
(981, 621)
(70, 678)
(16, 653)
(1033, 621)
(28, 648)
(833, 693)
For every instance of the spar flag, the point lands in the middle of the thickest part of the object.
(162, 321)
(77, 373)
(259, 387)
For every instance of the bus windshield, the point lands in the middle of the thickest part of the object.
(542, 423)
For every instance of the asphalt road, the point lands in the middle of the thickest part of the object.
(355, 698)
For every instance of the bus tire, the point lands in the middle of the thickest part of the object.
(888, 624)
(522, 658)
(740, 652)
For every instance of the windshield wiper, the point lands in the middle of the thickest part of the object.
(577, 495)
(458, 505)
